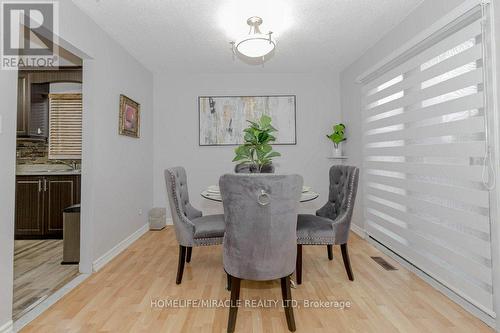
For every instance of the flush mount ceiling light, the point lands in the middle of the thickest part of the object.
(255, 44)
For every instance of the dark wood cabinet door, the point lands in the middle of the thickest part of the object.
(40, 201)
(29, 210)
(23, 104)
(59, 194)
(39, 110)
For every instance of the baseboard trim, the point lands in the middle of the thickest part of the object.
(118, 248)
(8, 327)
(169, 221)
(358, 231)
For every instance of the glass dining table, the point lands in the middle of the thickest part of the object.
(213, 193)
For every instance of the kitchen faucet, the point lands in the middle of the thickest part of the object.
(72, 164)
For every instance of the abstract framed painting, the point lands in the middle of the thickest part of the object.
(130, 117)
(223, 118)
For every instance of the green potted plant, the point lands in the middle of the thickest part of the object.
(256, 152)
(337, 136)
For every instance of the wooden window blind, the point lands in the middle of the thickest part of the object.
(65, 126)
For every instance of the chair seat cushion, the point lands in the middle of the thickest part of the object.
(209, 226)
(312, 229)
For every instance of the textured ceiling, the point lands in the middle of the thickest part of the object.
(194, 35)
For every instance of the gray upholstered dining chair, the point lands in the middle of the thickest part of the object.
(330, 226)
(260, 242)
(191, 228)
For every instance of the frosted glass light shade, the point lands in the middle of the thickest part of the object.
(255, 46)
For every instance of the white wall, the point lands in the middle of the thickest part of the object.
(8, 98)
(420, 19)
(176, 129)
(116, 170)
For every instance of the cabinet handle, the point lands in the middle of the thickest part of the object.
(44, 184)
(39, 185)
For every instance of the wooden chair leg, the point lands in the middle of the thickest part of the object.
(188, 254)
(233, 309)
(298, 264)
(180, 266)
(287, 302)
(347, 262)
(283, 290)
(329, 249)
(228, 287)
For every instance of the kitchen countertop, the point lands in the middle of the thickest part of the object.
(48, 173)
(45, 170)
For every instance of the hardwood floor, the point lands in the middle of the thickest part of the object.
(38, 272)
(118, 298)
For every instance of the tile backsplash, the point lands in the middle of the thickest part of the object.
(29, 151)
(32, 151)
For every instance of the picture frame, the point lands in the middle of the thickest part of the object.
(221, 119)
(130, 117)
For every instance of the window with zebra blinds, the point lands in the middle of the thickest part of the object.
(425, 154)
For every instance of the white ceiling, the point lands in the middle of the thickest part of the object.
(194, 35)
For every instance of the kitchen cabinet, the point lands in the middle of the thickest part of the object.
(32, 99)
(23, 104)
(60, 193)
(32, 108)
(29, 206)
(39, 110)
(40, 201)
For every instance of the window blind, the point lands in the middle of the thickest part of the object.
(65, 126)
(424, 153)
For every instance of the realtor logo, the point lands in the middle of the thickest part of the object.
(29, 34)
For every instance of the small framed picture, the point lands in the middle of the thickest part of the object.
(130, 117)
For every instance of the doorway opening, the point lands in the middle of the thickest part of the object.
(48, 181)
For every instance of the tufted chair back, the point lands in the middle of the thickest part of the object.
(260, 212)
(181, 209)
(342, 193)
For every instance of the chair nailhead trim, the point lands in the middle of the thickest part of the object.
(177, 207)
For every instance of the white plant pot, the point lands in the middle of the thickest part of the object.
(337, 151)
